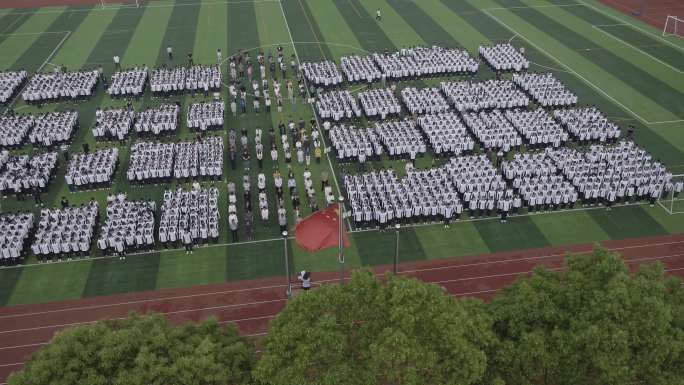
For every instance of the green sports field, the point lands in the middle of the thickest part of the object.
(608, 59)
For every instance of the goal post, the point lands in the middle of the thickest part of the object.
(672, 199)
(674, 26)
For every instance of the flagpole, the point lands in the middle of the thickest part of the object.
(340, 208)
(288, 291)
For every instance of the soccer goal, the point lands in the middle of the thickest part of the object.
(674, 26)
(673, 198)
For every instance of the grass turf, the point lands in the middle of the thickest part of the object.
(330, 30)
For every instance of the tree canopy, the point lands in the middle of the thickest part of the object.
(591, 324)
(394, 331)
(143, 350)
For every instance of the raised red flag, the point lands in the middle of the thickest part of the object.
(321, 230)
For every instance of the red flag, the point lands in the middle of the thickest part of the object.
(320, 230)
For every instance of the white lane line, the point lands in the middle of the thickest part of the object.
(630, 261)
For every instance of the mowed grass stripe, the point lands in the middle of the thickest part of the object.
(271, 33)
(569, 227)
(180, 34)
(106, 276)
(74, 52)
(212, 33)
(638, 39)
(584, 21)
(38, 52)
(366, 30)
(670, 152)
(339, 37)
(466, 35)
(10, 22)
(431, 33)
(649, 45)
(627, 222)
(148, 38)
(258, 259)
(38, 283)
(8, 281)
(51, 282)
(425, 26)
(305, 32)
(28, 32)
(638, 79)
(518, 234)
(461, 239)
(393, 24)
(205, 265)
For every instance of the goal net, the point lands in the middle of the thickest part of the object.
(672, 199)
(674, 26)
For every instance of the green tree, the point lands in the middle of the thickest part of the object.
(593, 323)
(394, 331)
(141, 349)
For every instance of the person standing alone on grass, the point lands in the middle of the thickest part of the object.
(378, 17)
(169, 52)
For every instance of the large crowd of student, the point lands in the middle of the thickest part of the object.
(492, 115)
(10, 82)
(60, 86)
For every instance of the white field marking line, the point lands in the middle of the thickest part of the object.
(531, 6)
(116, 7)
(628, 261)
(609, 25)
(313, 110)
(213, 245)
(57, 47)
(630, 24)
(549, 68)
(512, 37)
(666, 122)
(548, 212)
(637, 49)
(33, 33)
(220, 292)
(14, 364)
(580, 76)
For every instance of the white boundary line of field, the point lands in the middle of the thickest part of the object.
(318, 283)
(45, 62)
(598, 28)
(117, 6)
(313, 110)
(142, 254)
(599, 89)
(629, 22)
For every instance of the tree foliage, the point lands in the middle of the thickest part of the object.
(591, 324)
(143, 350)
(398, 331)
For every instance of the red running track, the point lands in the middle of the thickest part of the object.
(251, 304)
